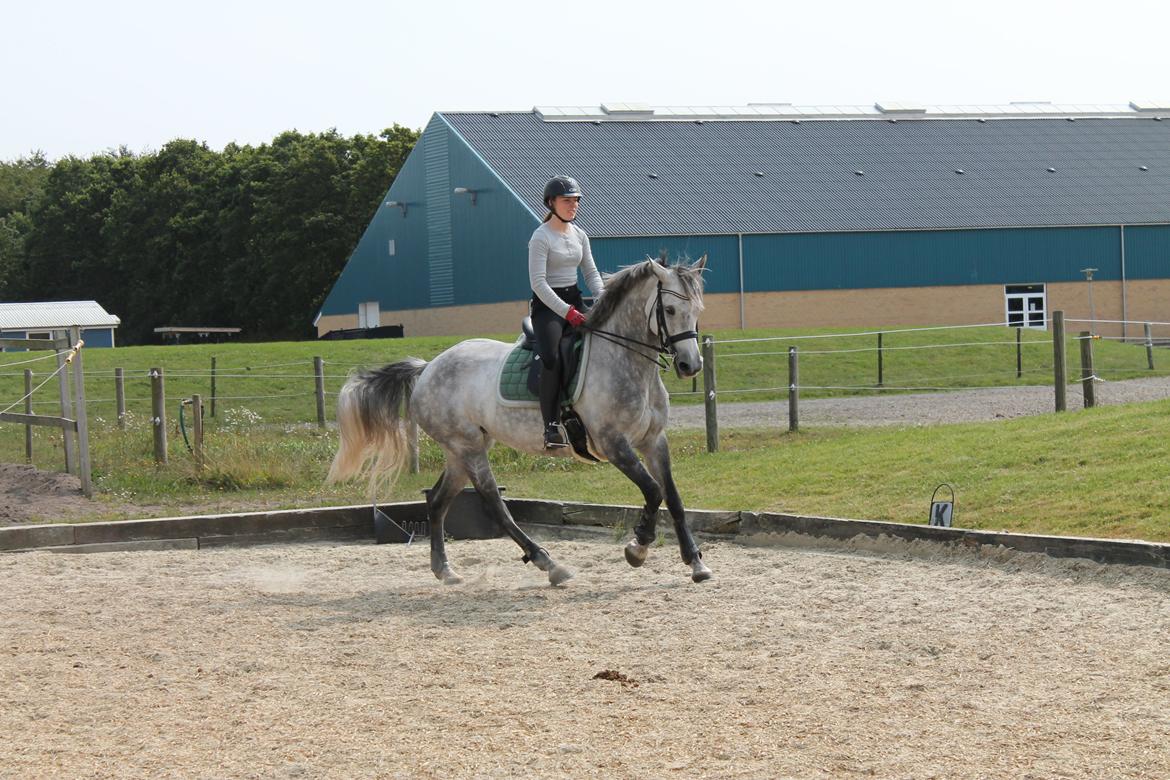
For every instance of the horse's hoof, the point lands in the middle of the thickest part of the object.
(448, 577)
(558, 574)
(699, 571)
(636, 553)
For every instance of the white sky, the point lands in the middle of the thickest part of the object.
(85, 77)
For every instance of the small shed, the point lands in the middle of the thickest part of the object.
(37, 320)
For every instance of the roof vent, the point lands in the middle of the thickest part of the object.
(652, 175)
(899, 108)
(859, 173)
(959, 171)
(1052, 170)
(760, 174)
(1150, 105)
(1143, 167)
(626, 109)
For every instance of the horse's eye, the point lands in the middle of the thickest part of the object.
(670, 311)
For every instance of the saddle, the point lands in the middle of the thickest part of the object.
(569, 352)
(519, 380)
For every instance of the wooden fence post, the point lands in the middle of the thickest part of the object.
(213, 386)
(83, 463)
(197, 425)
(881, 378)
(1019, 353)
(1087, 377)
(158, 414)
(1059, 371)
(62, 347)
(710, 409)
(1149, 347)
(28, 409)
(319, 374)
(120, 397)
(794, 391)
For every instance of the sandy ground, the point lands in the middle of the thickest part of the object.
(351, 661)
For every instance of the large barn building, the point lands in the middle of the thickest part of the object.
(840, 216)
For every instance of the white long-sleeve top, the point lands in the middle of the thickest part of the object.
(553, 259)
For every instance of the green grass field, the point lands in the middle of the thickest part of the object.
(1099, 472)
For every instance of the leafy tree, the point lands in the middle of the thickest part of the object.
(250, 236)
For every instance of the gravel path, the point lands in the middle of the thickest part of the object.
(978, 405)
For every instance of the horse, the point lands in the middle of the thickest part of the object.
(648, 309)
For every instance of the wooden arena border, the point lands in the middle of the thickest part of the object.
(466, 520)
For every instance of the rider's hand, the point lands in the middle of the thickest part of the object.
(574, 317)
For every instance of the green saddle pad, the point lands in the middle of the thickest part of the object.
(513, 383)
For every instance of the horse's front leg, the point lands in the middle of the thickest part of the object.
(657, 455)
(621, 454)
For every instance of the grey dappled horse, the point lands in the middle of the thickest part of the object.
(647, 308)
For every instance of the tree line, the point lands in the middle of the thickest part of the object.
(250, 237)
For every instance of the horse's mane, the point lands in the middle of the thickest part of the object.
(619, 284)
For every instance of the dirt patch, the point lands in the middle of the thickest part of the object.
(351, 661)
(27, 493)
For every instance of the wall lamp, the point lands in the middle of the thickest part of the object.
(466, 191)
(397, 204)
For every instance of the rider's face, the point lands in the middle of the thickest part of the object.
(566, 206)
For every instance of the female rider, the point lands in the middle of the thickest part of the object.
(555, 251)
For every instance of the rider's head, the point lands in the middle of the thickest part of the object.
(561, 196)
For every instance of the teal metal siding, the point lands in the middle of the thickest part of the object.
(722, 252)
(490, 238)
(438, 183)
(399, 281)
(1147, 252)
(835, 261)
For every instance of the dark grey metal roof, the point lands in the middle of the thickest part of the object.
(705, 175)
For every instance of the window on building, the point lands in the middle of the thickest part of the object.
(1026, 306)
(368, 316)
(393, 249)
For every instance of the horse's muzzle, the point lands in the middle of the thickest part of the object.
(686, 368)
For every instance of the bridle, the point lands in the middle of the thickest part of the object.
(666, 340)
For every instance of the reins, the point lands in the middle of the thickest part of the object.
(666, 340)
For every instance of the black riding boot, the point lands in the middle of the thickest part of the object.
(550, 390)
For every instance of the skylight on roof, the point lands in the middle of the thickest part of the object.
(898, 107)
(627, 108)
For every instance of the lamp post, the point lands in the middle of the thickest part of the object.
(1088, 272)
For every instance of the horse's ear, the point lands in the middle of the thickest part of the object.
(662, 257)
(661, 271)
(699, 266)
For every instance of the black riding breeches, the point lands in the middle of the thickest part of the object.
(549, 327)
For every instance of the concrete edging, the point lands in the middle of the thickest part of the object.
(468, 521)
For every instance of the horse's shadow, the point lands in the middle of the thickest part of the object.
(476, 604)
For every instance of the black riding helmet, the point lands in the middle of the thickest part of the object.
(560, 186)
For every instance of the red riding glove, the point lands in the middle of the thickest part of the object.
(574, 317)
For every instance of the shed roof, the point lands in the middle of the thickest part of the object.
(55, 314)
(674, 175)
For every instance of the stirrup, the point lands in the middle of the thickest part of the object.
(554, 436)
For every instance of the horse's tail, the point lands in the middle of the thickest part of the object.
(372, 410)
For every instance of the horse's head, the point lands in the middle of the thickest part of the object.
(673, 313)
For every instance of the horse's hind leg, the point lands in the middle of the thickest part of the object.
(657, 456)
(451, 481)
(480, 472)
